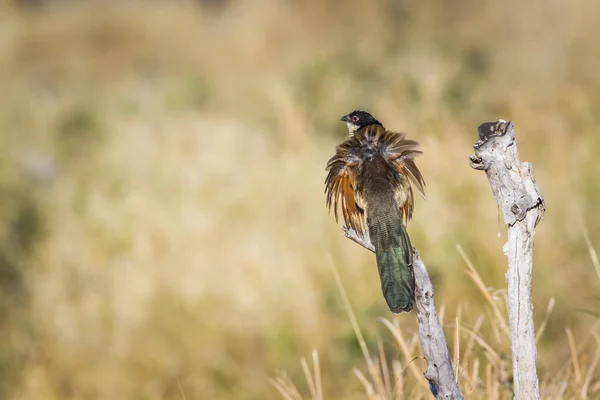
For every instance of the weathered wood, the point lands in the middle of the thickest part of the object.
(522, 203)
(439, 371)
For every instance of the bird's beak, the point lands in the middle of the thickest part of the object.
(346, 118)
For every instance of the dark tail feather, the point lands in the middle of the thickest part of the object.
(393, 252)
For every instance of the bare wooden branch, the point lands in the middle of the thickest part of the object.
(516, 190)
(439, 371)
(352, 235)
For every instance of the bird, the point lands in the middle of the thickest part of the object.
(370, 178)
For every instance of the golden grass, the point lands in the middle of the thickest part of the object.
(163, 233)
(569, 383)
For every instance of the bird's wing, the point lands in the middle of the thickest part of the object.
(402, 152)
(339, 189)
(413, 173)
(406, 210)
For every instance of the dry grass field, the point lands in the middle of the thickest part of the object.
(163, 230)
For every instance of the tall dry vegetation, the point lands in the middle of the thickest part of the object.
(163, 233)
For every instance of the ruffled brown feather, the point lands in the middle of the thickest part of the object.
(341, 186)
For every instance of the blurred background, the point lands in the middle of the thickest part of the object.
(163, 230)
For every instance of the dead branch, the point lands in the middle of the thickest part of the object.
(516, 190)
(439, 371)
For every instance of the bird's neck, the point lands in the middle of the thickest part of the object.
(355, 129)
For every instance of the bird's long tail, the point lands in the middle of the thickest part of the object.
(393, 252)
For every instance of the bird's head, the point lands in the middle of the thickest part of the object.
(358, 119)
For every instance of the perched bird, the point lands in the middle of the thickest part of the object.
(371, 178)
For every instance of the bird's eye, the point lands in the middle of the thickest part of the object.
(355, 119)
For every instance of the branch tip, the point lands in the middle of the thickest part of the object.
(489, 130)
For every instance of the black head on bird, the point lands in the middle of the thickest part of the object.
(358, 119)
